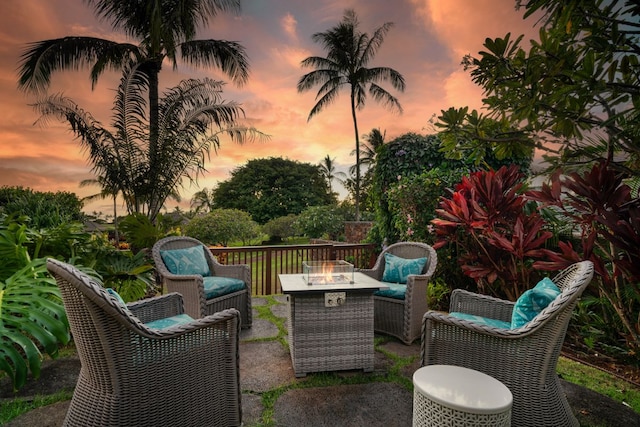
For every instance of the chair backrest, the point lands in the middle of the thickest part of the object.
(572, 282)
(98, 322)
(412, 250)
(178, 242)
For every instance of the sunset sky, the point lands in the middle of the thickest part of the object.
(426, 45)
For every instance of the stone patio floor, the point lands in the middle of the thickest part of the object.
(273, 396)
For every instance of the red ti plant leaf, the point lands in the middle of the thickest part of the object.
(600, 205)
(485, 218)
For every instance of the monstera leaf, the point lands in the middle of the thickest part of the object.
(32, 320)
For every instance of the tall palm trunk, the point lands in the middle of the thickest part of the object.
(355, 127)
(115, 220)
(154, 125)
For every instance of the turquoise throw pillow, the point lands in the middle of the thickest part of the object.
(396, 290)
(186, 261)
(397, 270)
(494, 323)
(532, 302)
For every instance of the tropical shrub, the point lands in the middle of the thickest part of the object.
(321, 222)
(142, 233)
(281, 228)
(404, 157)
(32, 316)
(41, 209)
(32, 321)
(607, 218)
(129, 274)
(498, 237)
(221, 226)
(413, 201)
(400, 161)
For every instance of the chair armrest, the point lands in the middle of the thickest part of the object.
(480, 305)
(450, 340)
(236, 271)
(371, 272)
(158, 307)
(438, 317)
(228, 319)
(418, 284)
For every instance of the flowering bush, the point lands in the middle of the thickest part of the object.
(413, 202)
(398, 163)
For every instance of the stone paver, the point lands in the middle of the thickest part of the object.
(251, 409)
(264, 365)
(280, 310)
(260, 329)
(373, 404)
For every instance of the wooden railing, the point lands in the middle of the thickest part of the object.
(268, 261)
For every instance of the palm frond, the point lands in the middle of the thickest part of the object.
(381, 95)
(230, 57)
(42, 58)
(114, 58)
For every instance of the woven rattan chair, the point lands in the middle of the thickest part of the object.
(402, 318)
(524, 359)
(192, 286)
(134, 375)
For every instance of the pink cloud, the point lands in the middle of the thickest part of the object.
(426, 45)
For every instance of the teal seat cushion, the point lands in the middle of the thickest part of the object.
(215, 286)
(494, 323)
(186, 261)
(396, 290)
(168, 322)
(532, 302)
(397, 270)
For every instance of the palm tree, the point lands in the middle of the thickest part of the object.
(192, 118)
(369, 150)
(329, 172)
(202, 200)
(349, 51)
(165, 30)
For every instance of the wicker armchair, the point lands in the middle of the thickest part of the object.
(402, 318)
(191, 287)
(524, 359)
(134, 375)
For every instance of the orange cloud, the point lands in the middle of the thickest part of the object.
(425, 45)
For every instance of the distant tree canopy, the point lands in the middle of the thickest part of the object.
(271, 188)
(222, 226)
(44, 209)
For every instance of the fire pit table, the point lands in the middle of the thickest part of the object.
(330, 323)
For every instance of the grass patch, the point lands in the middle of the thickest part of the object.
(10, 409)
(600, 382)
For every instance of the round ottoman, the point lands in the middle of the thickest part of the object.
(447, 396)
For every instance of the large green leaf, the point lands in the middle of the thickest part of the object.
(13, 363)
(32, 319)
